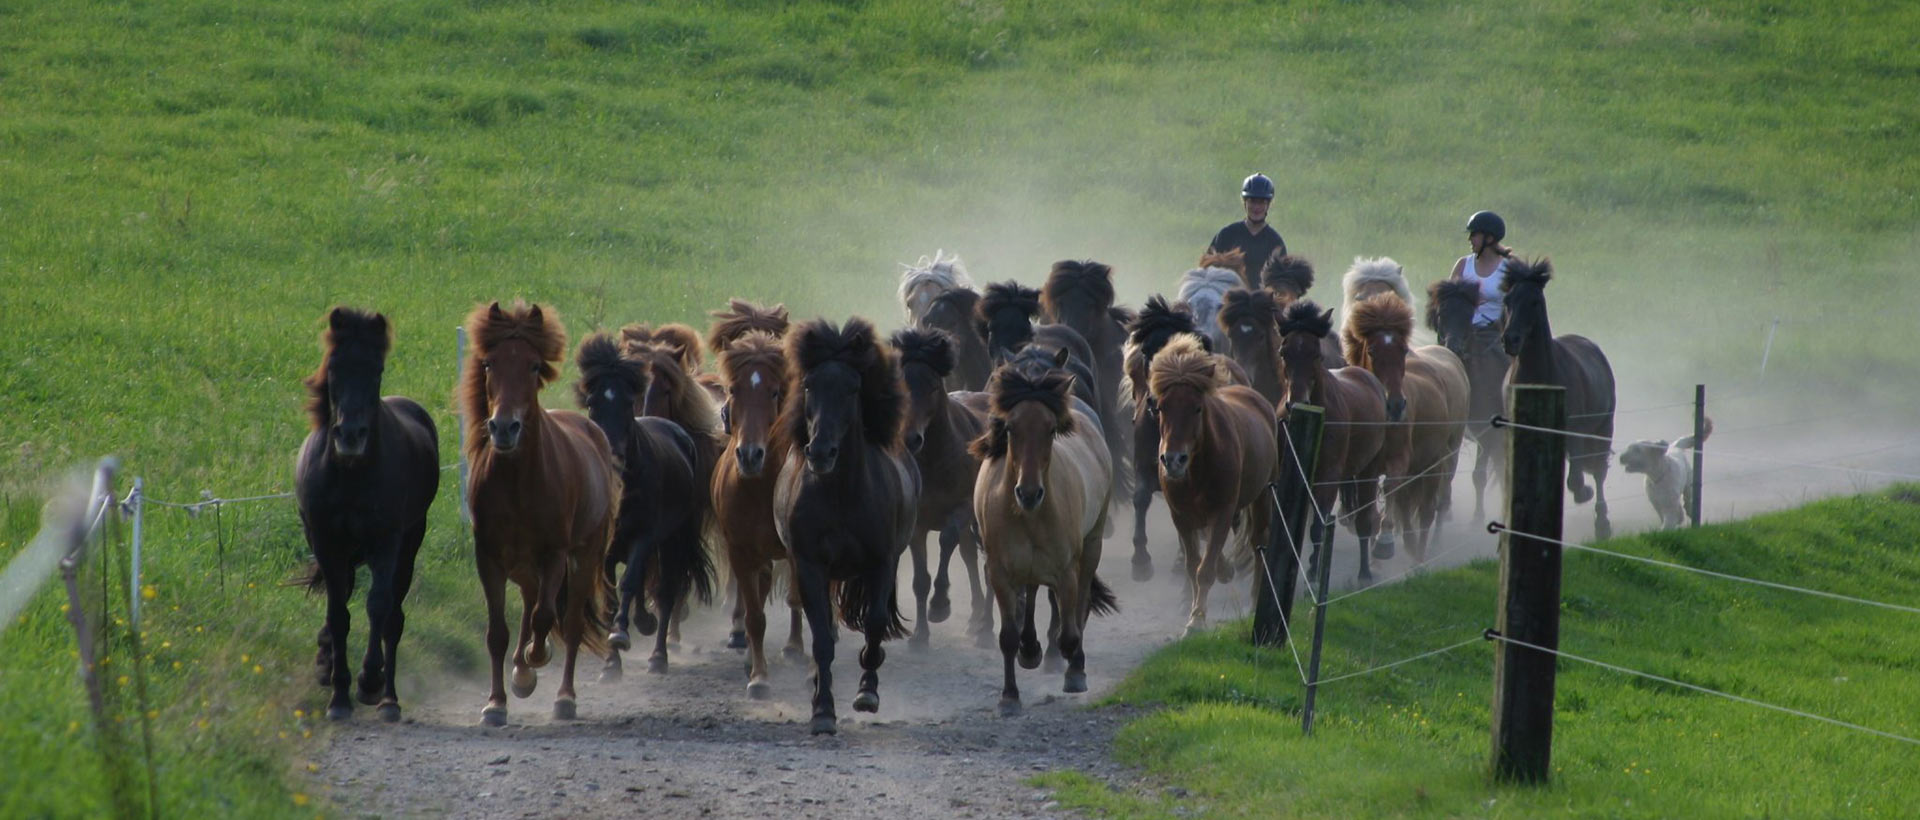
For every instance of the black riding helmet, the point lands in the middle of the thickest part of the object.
(1489, 223)
(1257, 186)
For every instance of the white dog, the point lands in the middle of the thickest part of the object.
(1669, 472)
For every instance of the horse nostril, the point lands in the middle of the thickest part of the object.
(914, 440)
(513, 427)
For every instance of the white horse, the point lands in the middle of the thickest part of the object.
(1372, 276)
(1203, 288)
(925, 280)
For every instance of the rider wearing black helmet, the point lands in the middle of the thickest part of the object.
(1486, 267)
(1252, 236)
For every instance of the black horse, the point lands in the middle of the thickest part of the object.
(1450, 307)
(367, 474)
(846, 498)
(1573, 362)
(658, 533)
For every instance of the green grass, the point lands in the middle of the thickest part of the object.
(187, 187)
(1413, 741)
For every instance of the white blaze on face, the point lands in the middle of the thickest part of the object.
(754, 380)
(610, 395)
(1389, 338)
(1246, 328)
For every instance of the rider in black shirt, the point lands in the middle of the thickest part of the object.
(1254, 238)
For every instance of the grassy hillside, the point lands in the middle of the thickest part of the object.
(1413, 741)
(186, 188)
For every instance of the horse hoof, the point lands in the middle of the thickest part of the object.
(1076, 682)
(824, 725)
(984, 639)
(1224, 574)
(1053, 663)
(339, 712)
(1009, 707)
(919, 640)
(1582, 495)
(1194, 628)
(657, 665)
(565, 709)
(493, 716)
(1602, 531)
(794, 654)
(737, 639)
(1382, 550)
(368, 697)
(620, 640)
(866, 702)
(939, 609)
(646, 623)
(390, 712)
(539, 656)
(759, 690)
(524, 680)
(1029, 659)
(611, 674)
(1142, 571)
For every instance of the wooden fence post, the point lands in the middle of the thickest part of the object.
(1699, 431)
(1529, 604)
(1273, 606)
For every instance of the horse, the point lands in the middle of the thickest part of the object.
(1572, 362)
(543, 493)
(1079, 295)
(737, 319)
(928, 279)
(659, 531)
(845, 500)
(1041, 500)
(1203, 289)
(1450, 307)
(754, 366)
(672, 357)
(1250, 320)
(1004, 320)
(939, 429)
(367, 473)
(1352, 443)
(1370, 277)
(953, 312)
(1288, 276)
(1218, 455)
(1426, 389)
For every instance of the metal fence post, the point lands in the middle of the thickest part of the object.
(1699, 432)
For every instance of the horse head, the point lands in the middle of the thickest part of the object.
(514, 352)
(1181, 379)
(1029, 405)
(1376, 338)
(609, 386)
(1450, 307)
(1250, 320)
(1077, 294)
(844, 389)
(1525, 289)
(925, 281)
(344, 394)
(926, 359)
(755, 369)
(1004, 318)
(1301, 330)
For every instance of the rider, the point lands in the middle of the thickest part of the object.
(1252, 236)
(1487, 267)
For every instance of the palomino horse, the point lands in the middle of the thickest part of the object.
(1427, 390)
(1204, 289)
(927, 279)
(1352, 452)
(739, 318)
(1573, 362)
(543, 492)
(1079, 294)
(671, 354)
(366, 476)
(939, 428)
(845, 500)
(1450, 307)
(1217, 457)
(953, 312)
(1042, 505)
(1251, 322)
(660, 531)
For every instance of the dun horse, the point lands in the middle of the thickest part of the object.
(846, 498)
(1042, 503)
(939, 429)
(366, 476)
(1573, 362)
(543, 493)
(1352, 452)
(1217, 457)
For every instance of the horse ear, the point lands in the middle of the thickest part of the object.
(493, 311)
(1328, 316)
(380, 325)
(1060, 357)
(726, 418)
(335, 317)
(534, 315)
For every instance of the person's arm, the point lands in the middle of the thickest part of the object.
(1458, 266)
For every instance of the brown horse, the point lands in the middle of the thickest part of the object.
(754, 366)
(1217, 456)
(737, 319)
(367, 474)
(672, 356)
(1450, 307)
(543, 491)
(1352, 445)
(1573, 362)
(1079, 295)
(1289, 277)
(1250, 320)
(953, 312)
(939, 429)
(845, 501)
(1427, 389)
(1042, 503)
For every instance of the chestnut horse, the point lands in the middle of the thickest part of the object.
(739, 318)
(1352, 444)
(1427, 390)
(1217, 456)
(1573, 362)
(543, 493)
(367, 473)
(845, 500)
(1042, 503)
(1079, 295)
(660, 531)
(1450, 307)
(939, 429)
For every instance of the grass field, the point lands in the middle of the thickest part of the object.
(187, 187)
(1413, 741)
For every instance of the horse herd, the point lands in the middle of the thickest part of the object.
(1010, 420)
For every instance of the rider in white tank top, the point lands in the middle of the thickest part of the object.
(1485, 229)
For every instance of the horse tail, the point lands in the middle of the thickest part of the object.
(853, 609)
(1102, 601)
(587, 576)
(1690, 442)
(684, 567)
(310, 577)
(1247, 540)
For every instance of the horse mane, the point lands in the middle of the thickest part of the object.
(1203, 288)
(1381, 313)
(1158, 322)
(754, 347)
(489, 326)
(693, 407)
(739, 318)
(1305, 316)
(1013, 384)
(818, 343)
(681, 340)
(348, 330)
(926, 346)
(1257, 306)
(1185, 362)
(1233, 259)
(1523, 272)
(1448, 290)
(1369, 270)
(1001, 296)
(1287, 270)
(1078, 280)
(599, 358)
(945, 272)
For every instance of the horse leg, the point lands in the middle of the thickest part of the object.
(922, 585)
(941, 607)
(546, 611)
(795, 650)
(617, 638)
(1142, 500)
(811, 578)
(373, 667)
(880, 617)
(980, 624)
(1190, 557)
(1051, 661)
(1602, 527)
(1577, 478)
(1366, 523)
(576, 597)
(1482, 455)
(737, 638)
(1029, 637)
(493, 584)
(323, 656)
(1008, 599)
(1074, 644)
(524, 678)
(753, 598)
(1208, 569)
(338, 574)
(397, 619)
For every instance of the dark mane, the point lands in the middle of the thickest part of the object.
(599, 359)
(351, 333)
(926, 346)
(1305, 316)
(1449, 290)
(1073, 280)
(1522, 272)
(963, 300)
(1013, 384)
(740, 317)
(1004, 296)
(1287, 271)
(1252, 306)
(1157, 323)
(490, 326)
(818, 343)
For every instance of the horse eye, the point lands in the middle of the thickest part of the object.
(486, 365)
(533, 368)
